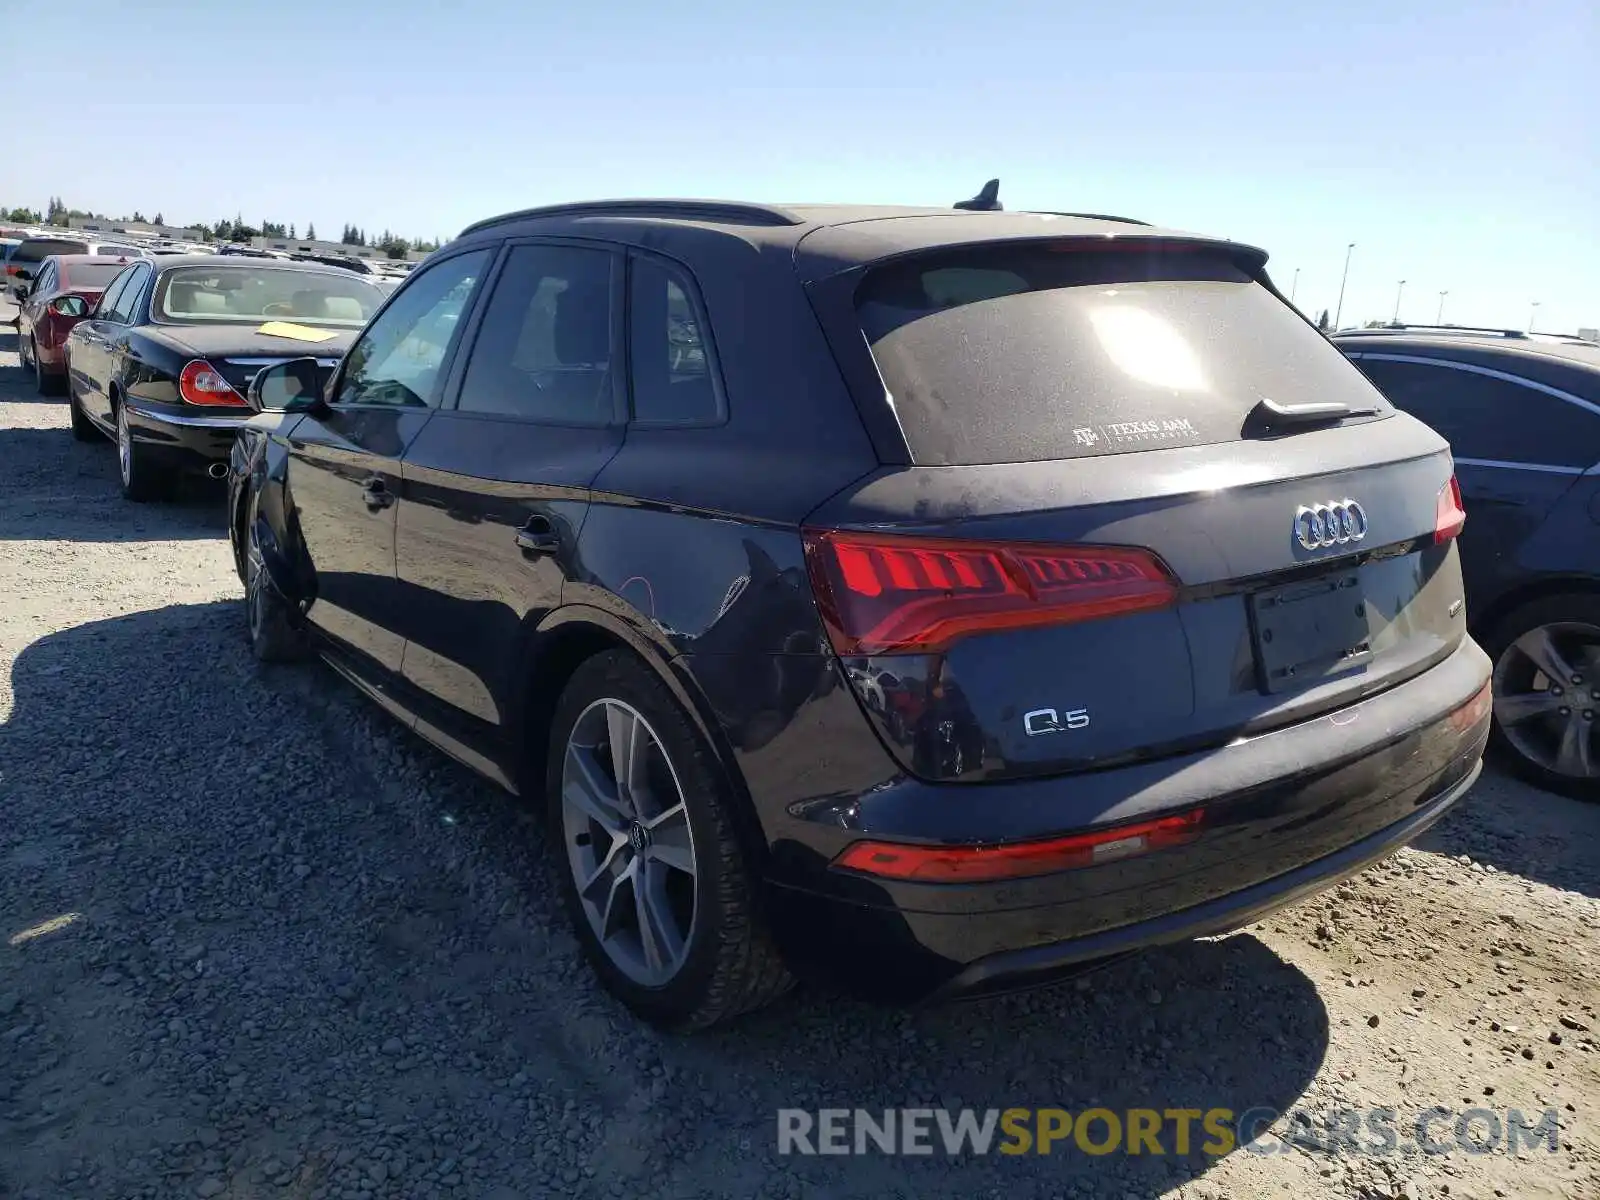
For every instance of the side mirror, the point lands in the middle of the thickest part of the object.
(293, 386)
(70, 306)
(24, 273)
(20, 291)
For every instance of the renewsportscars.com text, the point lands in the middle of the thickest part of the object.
(1158, 1131)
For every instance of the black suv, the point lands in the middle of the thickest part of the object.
(1522, 414)
(947, 600)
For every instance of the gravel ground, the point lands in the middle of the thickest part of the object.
(255, 940)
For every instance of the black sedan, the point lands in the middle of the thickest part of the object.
(1522, 414)
(162, 362)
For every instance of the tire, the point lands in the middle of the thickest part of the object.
(45, 385)
(271, 624)
(142, 479)
(1548, 731)
(723, 959)
(83, 429)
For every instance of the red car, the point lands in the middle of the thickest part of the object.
(61, 293)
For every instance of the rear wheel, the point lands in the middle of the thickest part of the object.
(83, 429)
(1547, 693)
(656, 884)
(142, 479)
(45, 384)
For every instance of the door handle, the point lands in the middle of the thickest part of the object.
(376, 494)
(538, 537)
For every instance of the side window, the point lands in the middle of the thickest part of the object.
(128, 298)
(1495, 420)
(544, 349)
(670, 366)
(46, 281)
(397, 358)
(113, 293)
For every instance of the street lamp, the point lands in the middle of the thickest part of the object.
(1294, 285)
(1339, 308)
(1439, 320)
(1399, 291)
(1532, 312)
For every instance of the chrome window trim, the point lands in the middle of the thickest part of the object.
(1546, 468)
(1475, 369)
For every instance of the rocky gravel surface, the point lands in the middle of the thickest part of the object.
(258, 941)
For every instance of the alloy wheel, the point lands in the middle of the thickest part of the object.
(255, 586)
(1547, 697)
(124, 445)
(628, 841)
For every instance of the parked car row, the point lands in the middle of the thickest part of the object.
(943, 601)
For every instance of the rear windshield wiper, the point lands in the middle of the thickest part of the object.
(1270, 414)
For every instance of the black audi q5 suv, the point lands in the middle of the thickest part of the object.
(943, 601)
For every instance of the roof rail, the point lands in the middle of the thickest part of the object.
(1403, 326)
(731, 212)
(1044, 212)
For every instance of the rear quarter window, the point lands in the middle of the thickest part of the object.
(36, 249)
(1065, 350)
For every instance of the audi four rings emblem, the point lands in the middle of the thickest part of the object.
(1320, 526)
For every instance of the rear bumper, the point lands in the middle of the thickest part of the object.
(183, 438)
(1011, 969)
(1287, 813)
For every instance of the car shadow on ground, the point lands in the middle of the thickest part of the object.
(1513, 826)
(54, 488)
(156, 777)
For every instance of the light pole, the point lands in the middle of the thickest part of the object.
(1294, 285)
(1439, 320)
(1339, 308)
(1398, 292)
(1532, 312)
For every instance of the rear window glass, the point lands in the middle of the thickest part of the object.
(1058, 350)
(37, 249)
(92, 275)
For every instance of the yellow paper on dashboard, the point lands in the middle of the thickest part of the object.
(300, 333)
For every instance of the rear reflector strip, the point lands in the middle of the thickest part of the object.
(890, 593)
(1467, 717)
(1015, 860)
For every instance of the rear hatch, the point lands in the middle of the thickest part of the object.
(1148, 509)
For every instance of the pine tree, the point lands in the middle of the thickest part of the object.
(311, 233)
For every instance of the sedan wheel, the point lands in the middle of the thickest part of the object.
(44, 384)
(141, 479)
(628, 841)
(1547, 693)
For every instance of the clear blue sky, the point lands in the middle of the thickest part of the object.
(1458, 144)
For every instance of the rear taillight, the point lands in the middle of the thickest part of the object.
(1014, 860)
(1448, 515)
(201, 383)
(885, 593)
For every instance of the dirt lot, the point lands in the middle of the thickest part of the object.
(255, 941)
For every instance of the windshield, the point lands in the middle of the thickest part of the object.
(90, 275)
(244, 292)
